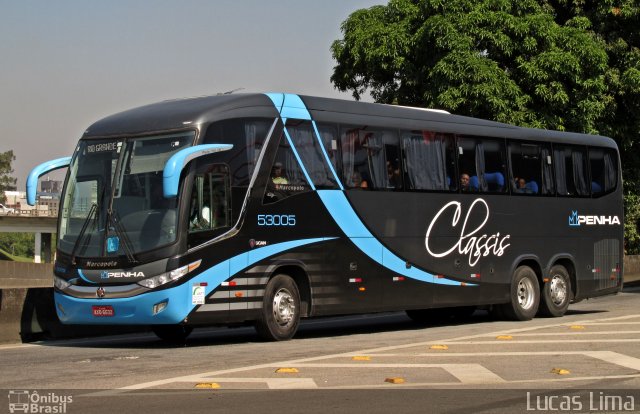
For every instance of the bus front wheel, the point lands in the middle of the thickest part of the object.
(556, 293)
(280, 314)
(525, 295)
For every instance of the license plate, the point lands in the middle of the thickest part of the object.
(102, 311)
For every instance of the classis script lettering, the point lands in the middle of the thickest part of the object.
(470, 241)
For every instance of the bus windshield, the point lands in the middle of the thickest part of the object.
(113, 203)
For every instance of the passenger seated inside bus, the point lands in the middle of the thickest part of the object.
(277, 174)
(393, 175)
(358, 182)
(465, 184)
(524, 187)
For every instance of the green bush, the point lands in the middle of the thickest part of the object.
(632, 223)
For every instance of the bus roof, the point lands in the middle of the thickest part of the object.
(200, 111)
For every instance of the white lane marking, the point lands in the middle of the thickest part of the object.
(473, 374)
(609, 323)
(465, 373)
(364, 352)
(457, 385)
(615, 358)
(440, 354)
(541, 341)
(579, 333)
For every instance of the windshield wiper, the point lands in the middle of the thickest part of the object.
(114, 221)
(85, 225)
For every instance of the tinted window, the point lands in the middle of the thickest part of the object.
(247, 136)
(570, 165)
(286, 176)
(329, 136)
(481, 164)
(429, 160)
(311, 152)
(531, 171)
(370, 158)
(604, 170)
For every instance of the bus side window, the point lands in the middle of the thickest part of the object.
(604, 173)
(210, 206)
(371, 158)
(482, 165)
(530, 168)
(429, 160)
(200, 206)
(286, 177)
(570, 165)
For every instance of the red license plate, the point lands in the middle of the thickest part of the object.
(102, 311)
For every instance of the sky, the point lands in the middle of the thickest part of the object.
(68, 63)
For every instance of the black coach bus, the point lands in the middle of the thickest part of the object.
(266, 208)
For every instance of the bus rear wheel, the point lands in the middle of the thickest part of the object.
(556, 293)
(525, 296)
(280, 314)
(172, 333)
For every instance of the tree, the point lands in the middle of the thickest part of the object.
(556, 64)
(617, 23)
(7, 182)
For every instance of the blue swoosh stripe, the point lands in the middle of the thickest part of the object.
(83, 277)
(338, 206)
(224, 270)
(292, 106)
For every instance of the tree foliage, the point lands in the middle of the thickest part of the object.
(7, 181)
(18, 244)
(556, 64)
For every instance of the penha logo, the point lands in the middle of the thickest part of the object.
(118, 275)
(576, 220)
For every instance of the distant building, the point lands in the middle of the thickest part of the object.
(46, 203)
(51, 186)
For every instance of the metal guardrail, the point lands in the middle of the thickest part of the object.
(33, 212)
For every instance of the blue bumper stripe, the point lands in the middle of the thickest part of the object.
(139, 309)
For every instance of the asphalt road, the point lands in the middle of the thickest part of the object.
(586, 361)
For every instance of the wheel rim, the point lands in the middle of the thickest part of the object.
(526, 293)
(558, 290)
(284, 307)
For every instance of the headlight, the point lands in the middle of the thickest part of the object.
(60, 283)
(167, 277)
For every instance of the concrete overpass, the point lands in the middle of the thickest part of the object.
(42, 226)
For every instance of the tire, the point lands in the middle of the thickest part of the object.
(172, 333)
(280, 314)
(556, 293)
(525, 295)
